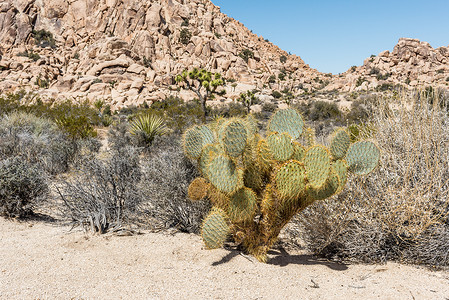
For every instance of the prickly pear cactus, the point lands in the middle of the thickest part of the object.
(256, 184)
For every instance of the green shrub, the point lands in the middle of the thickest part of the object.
(272, 79)
(184, 36)
(42, 82)
(246, 54)
(283, 59)
(43, 38)
(30, 54)
(185, 23)
(22, 187)
(276, 94)
(359, 81)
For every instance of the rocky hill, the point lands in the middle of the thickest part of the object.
(411, 63)
(128, 52)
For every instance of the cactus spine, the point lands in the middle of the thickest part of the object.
(256, 184)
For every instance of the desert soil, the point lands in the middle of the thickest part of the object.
(47, 261)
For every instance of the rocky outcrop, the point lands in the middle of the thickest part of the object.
(411, 63)
(102, 47)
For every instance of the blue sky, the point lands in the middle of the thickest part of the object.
(333, 35)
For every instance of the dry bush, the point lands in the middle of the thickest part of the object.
(22, 187)
(167, 175)
(104, 194)
(400, 211)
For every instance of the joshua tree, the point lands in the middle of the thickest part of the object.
(247, 100)
(256, 184)
(195, 80)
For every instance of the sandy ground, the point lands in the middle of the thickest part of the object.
(44, 261)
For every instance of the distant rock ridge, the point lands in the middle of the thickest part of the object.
(412, 63)
(127, 52)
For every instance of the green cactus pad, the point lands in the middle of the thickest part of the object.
(223, 174)
(234, 139)
(299, 152)
(288, 121)
(329, 188)
(290, 180)
(215, 229)
(317, 163)
(198, 189)
(195, 139)
(341, 168)
(339, 144)
(280, 145)
(362, 157)
(207, 154)
(242, 205)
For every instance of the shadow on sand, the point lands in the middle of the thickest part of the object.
(280, 257)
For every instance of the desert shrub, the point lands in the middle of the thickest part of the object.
(246, 54)
(184, 36)
(319, 110)
(360, 81)
(276, 94)
(36, 140)
(42, 81)
(30, 54)
(43, 38)
(103, 195)
(269, 107)
(22, 187)
(272, 79)
(232, 109)
(399, 212)
(283, 59)
(167, 174)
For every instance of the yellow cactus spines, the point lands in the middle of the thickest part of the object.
(195, 139)
(267, 203)
(280, 146)
(223, 174)
(235, 136)
(287, 121)
(198, 189)
(251, 125)
(242, 205)
(329, 188)
(340, 143)
(290, 180)
(310, 136)
(341, 168)
(299, 152)
(215, 229)
(363, 157)
(264, 158)
(317, 164)
(218, 199)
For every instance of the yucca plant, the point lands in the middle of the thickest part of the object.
(147, 127)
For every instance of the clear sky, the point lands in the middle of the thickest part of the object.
(333, 35)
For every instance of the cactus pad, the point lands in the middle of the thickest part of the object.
(362, 157)
(215, 229)
(287, 121)
(280, 145)
(198, 189)
(329, 188)
(234, 138)
(339, 144)
(195, 139)
(209, 152)
(242, 205)
(341, 168)
(290, 180)
(299, 152)
(264, 157)
(223, 174)
(317, 164)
